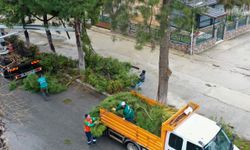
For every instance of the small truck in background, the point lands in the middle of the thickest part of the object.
(185, 130)
(15, 60)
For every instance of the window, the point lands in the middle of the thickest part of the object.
(204, 21)
(175, 141)
(191, 146)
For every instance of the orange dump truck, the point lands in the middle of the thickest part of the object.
(185, 130)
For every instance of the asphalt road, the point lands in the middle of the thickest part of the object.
(34, 124)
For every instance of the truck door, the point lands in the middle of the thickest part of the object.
(173, 142)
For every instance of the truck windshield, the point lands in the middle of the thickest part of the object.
(219, 142)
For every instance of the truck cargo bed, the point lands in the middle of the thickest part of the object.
(142, 136)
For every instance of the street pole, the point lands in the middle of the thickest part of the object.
(192, 32)
(192, 40)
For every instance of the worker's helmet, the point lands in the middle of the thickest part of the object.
(86, 116)
(123, 103)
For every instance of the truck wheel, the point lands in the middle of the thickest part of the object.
(132, 146)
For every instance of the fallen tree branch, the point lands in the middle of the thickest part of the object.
(72, 80)
(146, 112)
(3, 141)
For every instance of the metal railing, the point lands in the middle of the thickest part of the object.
(180, 38)
(242, 21)
(231, 26)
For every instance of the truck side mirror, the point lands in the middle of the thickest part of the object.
(202, 144)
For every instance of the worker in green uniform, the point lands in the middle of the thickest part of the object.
(128, 112)
(43, 85)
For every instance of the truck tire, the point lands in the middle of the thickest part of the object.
(132, 146)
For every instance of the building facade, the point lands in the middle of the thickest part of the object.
(212, 26)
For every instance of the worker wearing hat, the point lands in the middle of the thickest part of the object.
(88, 123)
(128, 112)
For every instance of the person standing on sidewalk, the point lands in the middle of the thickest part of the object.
(88, 123)
(141, 79)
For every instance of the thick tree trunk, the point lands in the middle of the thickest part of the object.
(26, 34)
(164, 71)
(79, 44)
(27, 38)
(48, 33)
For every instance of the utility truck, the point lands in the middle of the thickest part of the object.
(185, 130)
(15, 60)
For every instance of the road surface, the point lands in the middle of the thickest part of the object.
(218, 79)
(34, 124)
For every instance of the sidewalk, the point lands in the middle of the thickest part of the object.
(216, 82)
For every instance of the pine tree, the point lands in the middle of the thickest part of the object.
(124, 12)
(79, 13)
(16, 12)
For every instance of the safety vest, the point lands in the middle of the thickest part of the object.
(87, 128)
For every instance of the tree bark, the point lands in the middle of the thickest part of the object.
(79, 44)
(48, 33)
(164, 71)
(26, 34)
(27, 38)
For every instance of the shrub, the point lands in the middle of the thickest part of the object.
(241, 143)
(34, 50)
(53, 63)
(108, 74)
(114, 86)
(30, 83)
(13, 85)
(54, 86)
(96, 80)
(108, 67)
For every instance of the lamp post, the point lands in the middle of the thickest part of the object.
(192, 31)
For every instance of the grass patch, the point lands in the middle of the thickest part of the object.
(67, 101)
(241, 143)
(67, 142)
(13, 85)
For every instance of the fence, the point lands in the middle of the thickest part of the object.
(103, 18)
(205, 36)
(180, 38)
(231, 26)
(242, 21)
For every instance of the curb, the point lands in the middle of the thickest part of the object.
(90, 87)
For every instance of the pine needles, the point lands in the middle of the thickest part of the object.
(147, 117)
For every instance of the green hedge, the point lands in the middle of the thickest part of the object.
(54, 63)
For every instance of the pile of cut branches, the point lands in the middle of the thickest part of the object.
(147, 116)
(3, 143)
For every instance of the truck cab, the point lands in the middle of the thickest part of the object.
(18, 62)
(198, 133)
